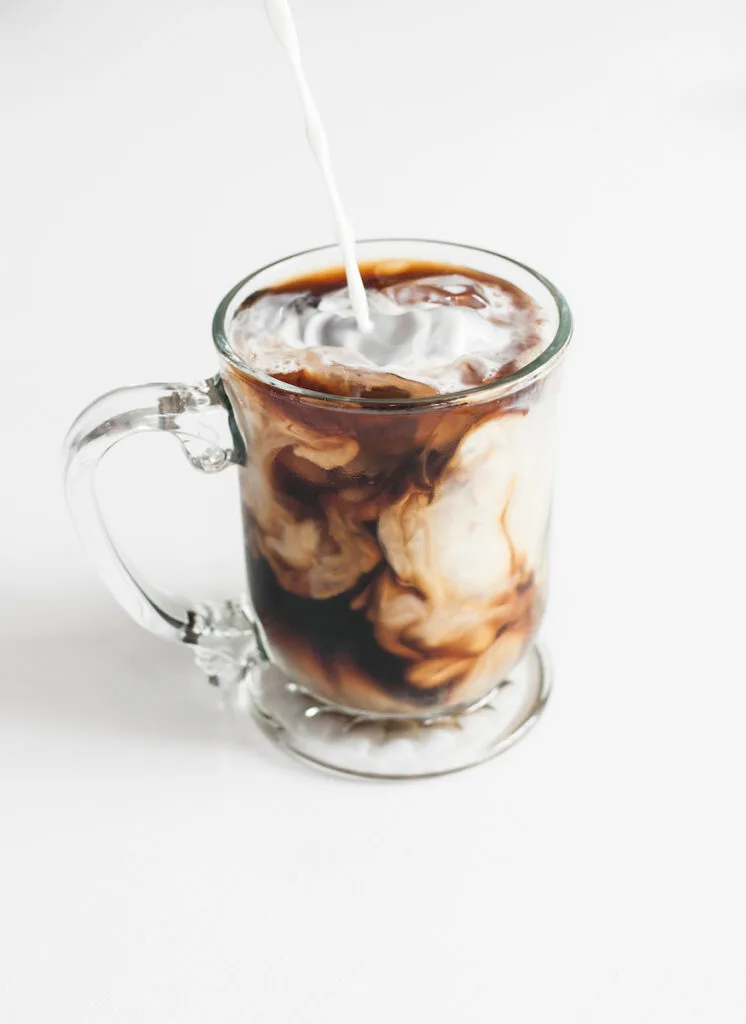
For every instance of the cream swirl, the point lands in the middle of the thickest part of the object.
(449, 331)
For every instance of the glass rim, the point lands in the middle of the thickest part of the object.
(537, 367)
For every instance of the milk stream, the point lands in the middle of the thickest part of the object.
(282, 22)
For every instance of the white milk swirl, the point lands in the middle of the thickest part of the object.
(447, 330)
(282, 22)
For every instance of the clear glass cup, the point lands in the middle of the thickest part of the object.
(396, 546)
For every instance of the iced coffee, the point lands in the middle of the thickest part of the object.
(395, 510)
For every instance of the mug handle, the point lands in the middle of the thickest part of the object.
(226, 642)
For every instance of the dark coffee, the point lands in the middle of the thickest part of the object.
(396, 551)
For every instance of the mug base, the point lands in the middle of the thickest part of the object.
(405, 747)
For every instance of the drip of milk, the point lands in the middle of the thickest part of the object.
(282, 22)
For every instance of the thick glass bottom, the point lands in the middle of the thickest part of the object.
(403, 747)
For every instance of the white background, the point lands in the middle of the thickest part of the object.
(162, 863)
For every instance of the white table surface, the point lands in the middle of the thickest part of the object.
(161, 862)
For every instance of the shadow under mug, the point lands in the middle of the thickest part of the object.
(396, 546)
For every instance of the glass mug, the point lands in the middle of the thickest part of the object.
(396, 546)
